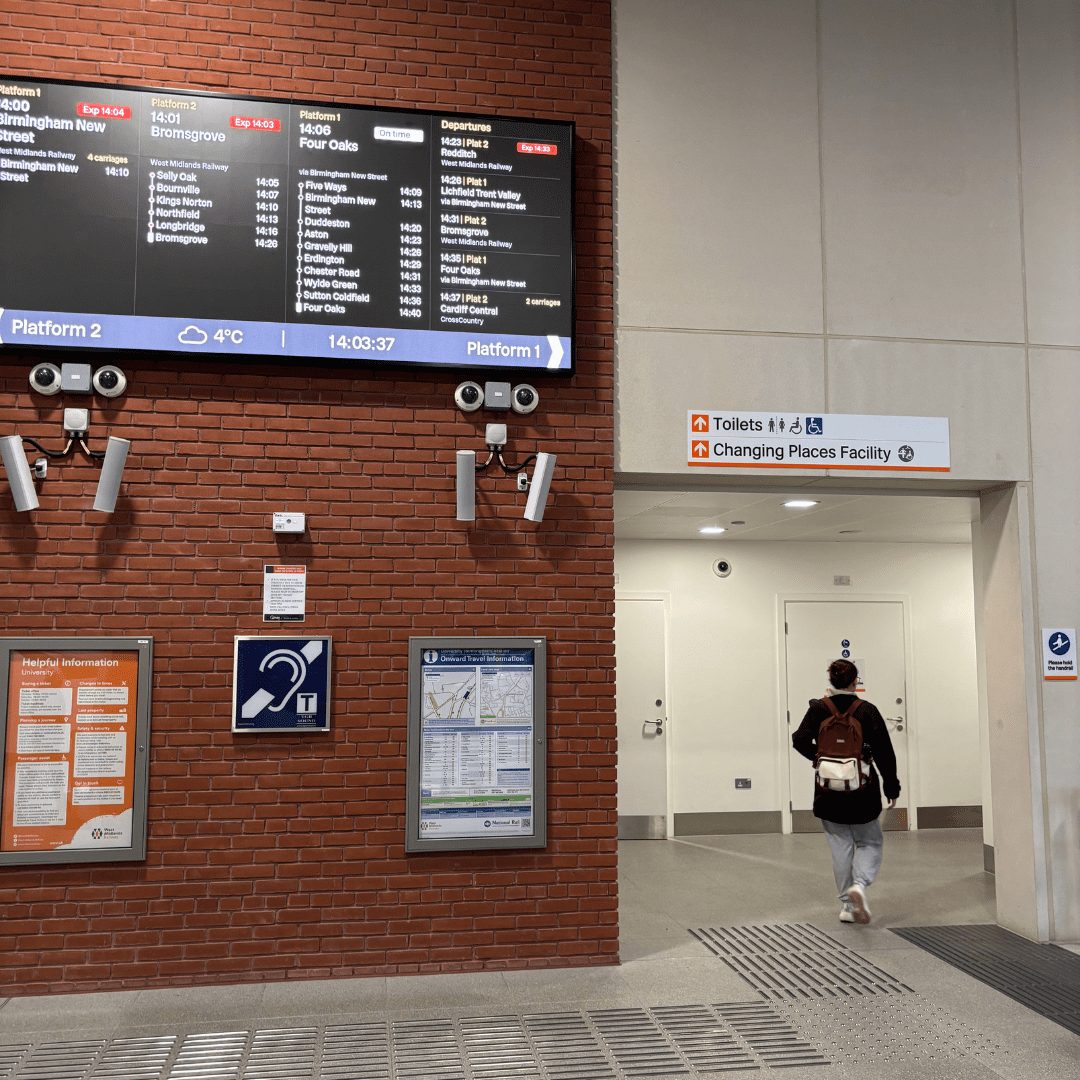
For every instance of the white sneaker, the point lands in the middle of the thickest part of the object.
(846, 914)
(860, 909)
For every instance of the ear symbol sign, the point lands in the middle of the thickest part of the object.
(299, 668)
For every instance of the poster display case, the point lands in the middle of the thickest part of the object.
(75, 736)
(476, 773)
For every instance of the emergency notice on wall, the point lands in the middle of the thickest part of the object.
(790, 440)
(69, 761)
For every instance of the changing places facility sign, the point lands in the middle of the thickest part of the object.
(476, 760)
(789, 440)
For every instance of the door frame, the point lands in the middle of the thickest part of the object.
(665, 598)
(911, 781)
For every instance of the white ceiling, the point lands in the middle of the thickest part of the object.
(905, 519)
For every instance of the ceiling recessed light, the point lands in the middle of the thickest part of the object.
(800, 504)
(712, 529)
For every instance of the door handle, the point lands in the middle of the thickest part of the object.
(897, 720)
(658, 726)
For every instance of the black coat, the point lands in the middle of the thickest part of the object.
(863, 805)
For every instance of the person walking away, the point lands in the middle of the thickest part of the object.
(848, 742)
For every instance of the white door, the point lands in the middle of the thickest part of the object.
(641, 709)
(871, 634)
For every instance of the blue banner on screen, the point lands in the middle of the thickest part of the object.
(195, 223)
(350, 344)
(476, 758)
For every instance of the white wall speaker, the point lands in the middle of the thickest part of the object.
(466, 485)
(538, 487)
(18, 473)
(112, 471)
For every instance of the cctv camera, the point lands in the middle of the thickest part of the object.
(45, 379)
(469, 396)
(721, 568)
(524, 398)
(110, 381)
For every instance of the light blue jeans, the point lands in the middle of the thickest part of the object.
(856, 853)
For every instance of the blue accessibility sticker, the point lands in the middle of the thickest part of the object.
(281, 684)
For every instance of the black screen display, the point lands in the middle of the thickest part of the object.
(169, 221)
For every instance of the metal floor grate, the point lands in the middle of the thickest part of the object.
(1045, 978)
(769, 1036)
(605, 1044)
(796, 961)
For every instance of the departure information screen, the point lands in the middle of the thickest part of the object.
(179, 222)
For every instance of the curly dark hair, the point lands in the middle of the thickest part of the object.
(842, 673)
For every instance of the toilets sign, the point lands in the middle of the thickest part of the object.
(789, 440)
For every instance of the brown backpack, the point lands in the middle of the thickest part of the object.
(840, 765)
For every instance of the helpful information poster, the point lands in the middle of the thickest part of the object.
(69, 763)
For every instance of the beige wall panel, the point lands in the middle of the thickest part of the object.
(980, 388)
(1049, 51)
(718, 210)
(1055, 462)
(1018, 848)
(919, 151)
(661, 375)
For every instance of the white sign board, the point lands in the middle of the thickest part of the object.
(1059, 654)
(284, 593)
(788, 440)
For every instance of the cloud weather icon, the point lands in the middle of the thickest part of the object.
(191, 335)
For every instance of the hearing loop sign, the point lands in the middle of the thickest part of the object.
(281, 684)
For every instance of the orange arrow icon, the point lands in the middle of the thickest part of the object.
(699, 422)
(699, 449)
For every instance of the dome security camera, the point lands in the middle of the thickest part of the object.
(110, 381)
(524, 398)
(721, 568)
(45, 379)
(469, 396)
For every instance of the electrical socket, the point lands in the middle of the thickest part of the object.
(523, 481)
(742, 783)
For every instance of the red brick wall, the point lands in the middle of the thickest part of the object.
(275, 857)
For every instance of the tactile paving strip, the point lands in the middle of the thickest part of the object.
(605, 1044)
(796, 962)
(1045, 978)
(871, 1031)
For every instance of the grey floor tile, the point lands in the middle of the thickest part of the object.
(197, 1004)
(685, 981)
(547, 987)
(452, 990)
(324, 997)
(100, 1012)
